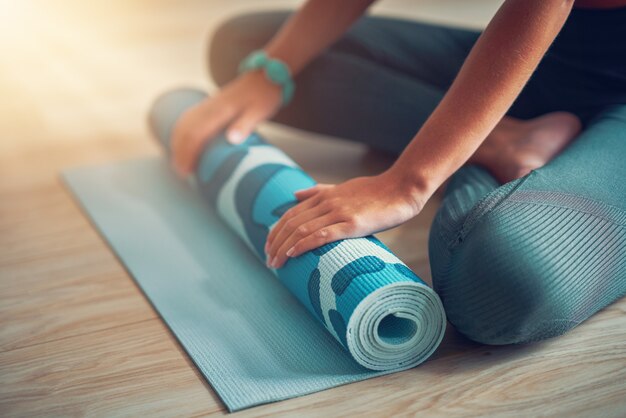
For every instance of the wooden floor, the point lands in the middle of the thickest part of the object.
(76, 335)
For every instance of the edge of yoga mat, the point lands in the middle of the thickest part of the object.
(237, 391)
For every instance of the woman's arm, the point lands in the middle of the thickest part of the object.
(318, 24)
(250, 99)
(492, 76)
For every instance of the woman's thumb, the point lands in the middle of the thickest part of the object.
(242, 127)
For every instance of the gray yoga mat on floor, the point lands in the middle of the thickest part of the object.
(248, 335)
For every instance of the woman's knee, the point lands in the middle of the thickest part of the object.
(514, 273)
(236, 37)
(491, 294)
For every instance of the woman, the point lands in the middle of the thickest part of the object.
(517, 262)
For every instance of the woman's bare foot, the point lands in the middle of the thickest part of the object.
(515, 147)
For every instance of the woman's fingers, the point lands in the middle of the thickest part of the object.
(314, 240)
(295, 224)
(292, 212)
(193, 130)
(294, 217)
(305, 229)
(243, 126)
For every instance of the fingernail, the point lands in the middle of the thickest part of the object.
(274, 262)
(289, 252)
(235, 137)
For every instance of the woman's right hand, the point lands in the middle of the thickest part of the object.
(236, 109)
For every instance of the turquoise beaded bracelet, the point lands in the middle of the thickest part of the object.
(275, 70)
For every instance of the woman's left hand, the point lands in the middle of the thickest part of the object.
(355, 208)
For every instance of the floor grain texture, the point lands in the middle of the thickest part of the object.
(77, 336)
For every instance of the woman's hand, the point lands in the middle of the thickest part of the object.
(236, 109)
(355, 208)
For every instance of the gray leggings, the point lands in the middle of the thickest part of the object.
(513, 263)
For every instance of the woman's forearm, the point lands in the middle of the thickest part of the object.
(493, 75)
(315, 26)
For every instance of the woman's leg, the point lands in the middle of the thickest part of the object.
(379, 83)
(534, 258)
(376, 85)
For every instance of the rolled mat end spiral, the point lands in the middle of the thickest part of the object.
(396, 327)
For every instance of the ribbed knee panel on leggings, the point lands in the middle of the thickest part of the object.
(514, 265)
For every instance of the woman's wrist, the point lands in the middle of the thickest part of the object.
(258, 83)
(285, 55)
(276, 72)
(411, 184)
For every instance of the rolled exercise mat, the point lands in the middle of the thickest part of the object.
(372, 303)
